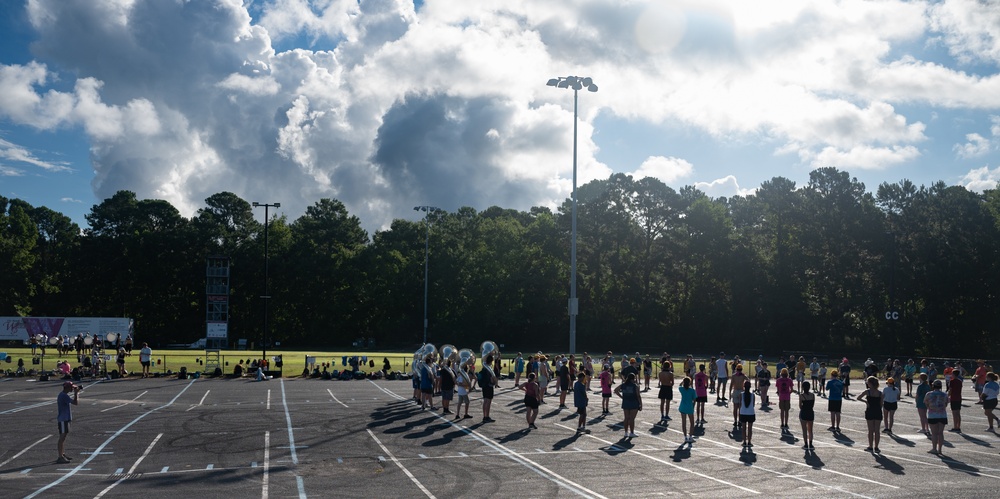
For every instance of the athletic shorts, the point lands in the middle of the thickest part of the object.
(748, 418)
(428, 391)
(834, 405)
(990, 404)
(581, 411)
(144, 364)
(701, 399)
(564, 385)
(722, 379)
(784, 405)
(890, 406)
(463, 399)
(63, 427)
(956, 405)
(666, 393)
(531, 402)
(937, 420)
(488, 392)
(447, 394)
(801, 377)
(606, 395)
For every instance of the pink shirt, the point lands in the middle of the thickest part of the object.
(784, 386)
(701, 384)
(605, 382)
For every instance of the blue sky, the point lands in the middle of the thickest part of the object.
(386, 105)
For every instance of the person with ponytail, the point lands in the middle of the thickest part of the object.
(747, 414)
(686, 408)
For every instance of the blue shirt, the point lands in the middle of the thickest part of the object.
(426, 378)
(63, 402)
(579, 395)
(835, 389)
(687, 401)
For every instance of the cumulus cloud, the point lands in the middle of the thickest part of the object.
(386, 107)
(723, 187)
(668, 170)
(975, 146)
(981, 179)
(970, 30)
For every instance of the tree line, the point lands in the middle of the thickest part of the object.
(826, 267)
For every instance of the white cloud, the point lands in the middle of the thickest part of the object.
(976, 146)
(723, 187)
(6, 171)
(861, 157)
(14, 152)
(668, 170)
(981, 179)
(70, 200)
(970, 29)
(449, 106)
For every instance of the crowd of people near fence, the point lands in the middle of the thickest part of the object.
(743, 385)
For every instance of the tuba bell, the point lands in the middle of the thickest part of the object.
(449, 352)
(488, 348)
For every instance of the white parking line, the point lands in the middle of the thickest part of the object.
(335, 398)
(267, 462)
(291, 441)
(400, 465)
(668, 463)
(542, 471)
(132, 469)
(790, 461)
(126, 403)
(26, 449)
(107, 442)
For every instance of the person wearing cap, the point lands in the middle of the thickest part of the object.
(64, 416)
(937, 415)
(890, 402)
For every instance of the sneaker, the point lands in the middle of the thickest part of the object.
(446, 411)
(532, 426)
(62, 460)
(991, 430)
(67, 457)
(467, 417)
(886, 430)
(811, 446)
(877, 450)
(868, 449)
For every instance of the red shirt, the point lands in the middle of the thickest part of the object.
(955, 389)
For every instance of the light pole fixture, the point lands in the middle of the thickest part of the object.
(576, 83)
(266, 297)
(427, 251)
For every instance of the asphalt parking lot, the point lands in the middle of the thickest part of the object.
(309, 437)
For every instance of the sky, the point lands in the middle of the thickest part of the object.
(390, 104)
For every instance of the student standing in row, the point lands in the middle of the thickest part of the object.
(686, 408)
(700, 394)
(937, 415)
(807, 402)
(605, 389)
(579, 401)
(990, 392)
(631, 403)
(65, 415)
(890, 400)
(784, 386)
(873, 412)
(922, 390)
(747, 414)
(723, 376)
(835, 392)
(955, 397)
(532, 396)
(666, 394)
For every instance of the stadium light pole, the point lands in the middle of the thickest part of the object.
(427, 251)
(576, 83)
(266, 297)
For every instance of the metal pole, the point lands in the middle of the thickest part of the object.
(427, 252)
(573, 304)
(265, 296)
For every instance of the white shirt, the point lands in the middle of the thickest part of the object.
(744, 409)
(890, 394)
(721, 365)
